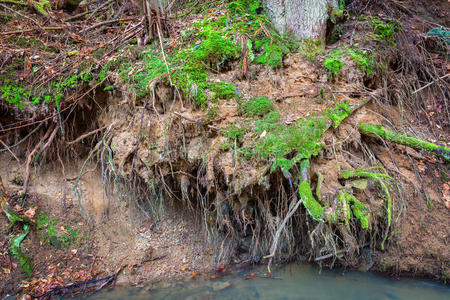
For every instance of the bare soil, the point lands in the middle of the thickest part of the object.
(143, 249)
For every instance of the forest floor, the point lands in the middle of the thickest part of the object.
(198, 195)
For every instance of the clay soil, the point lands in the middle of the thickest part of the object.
(125, 242)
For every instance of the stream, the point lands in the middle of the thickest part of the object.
(293, 281)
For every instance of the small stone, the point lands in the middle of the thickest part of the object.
(220, 285)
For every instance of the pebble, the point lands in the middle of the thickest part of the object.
(220, 285)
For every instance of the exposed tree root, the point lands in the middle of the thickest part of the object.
(377, 131)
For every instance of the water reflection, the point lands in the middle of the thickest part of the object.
(298, 281)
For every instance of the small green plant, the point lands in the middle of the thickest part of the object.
(233, 132)
(258, 106)
(53, 235)
(109, 88)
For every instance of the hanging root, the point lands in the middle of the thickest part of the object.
(37, 151)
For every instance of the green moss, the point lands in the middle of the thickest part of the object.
(333, 63)
(361, 213)
(382, 179)
(365, 59)
(314, 209)
(301, 138)
(385, 30)
(222, 90)
(338, 113)
(378, 131)
(109, 88)
(360, 173)
(258, 106)
(14, 93)
(272, 54)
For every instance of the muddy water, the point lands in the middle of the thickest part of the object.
(294, 281)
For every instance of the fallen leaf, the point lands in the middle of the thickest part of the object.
(31, 212)
(6, 271)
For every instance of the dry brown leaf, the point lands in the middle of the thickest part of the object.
(31, 212)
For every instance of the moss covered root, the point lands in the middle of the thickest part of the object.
(378, 131)
(313, 207)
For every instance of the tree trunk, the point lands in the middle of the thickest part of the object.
(306, 19)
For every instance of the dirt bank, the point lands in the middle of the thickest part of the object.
(228, 144)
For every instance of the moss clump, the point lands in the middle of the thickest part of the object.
(385, 30)
(314, 209)
(301, 138)
(361, 213)
(333, 63)
(343, 207)
(382, 179)
(346, 204)
(338, 113)
(14, 93)
(378, 131)
(272, 54)
(258, 106)
(222, 90)
(365, 59)
(360, 173)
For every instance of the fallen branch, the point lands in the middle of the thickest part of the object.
(377, 131)
(63, 290)
(9, 150)
(31, 29)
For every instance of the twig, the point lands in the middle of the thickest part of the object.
(427, 85)
(106, 23)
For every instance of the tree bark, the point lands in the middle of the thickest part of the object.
(306, 19)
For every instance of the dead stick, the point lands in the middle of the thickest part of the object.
(31, 29)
